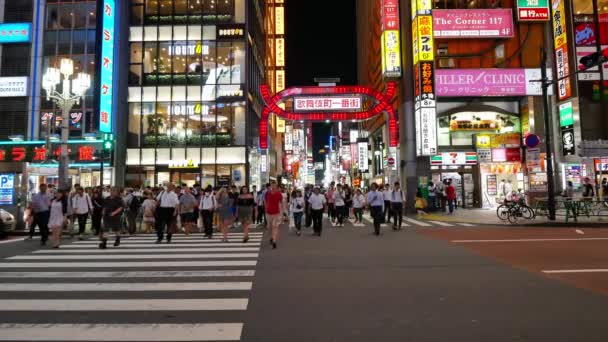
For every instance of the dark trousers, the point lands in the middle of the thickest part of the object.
(387, 211)
(253, 214)
(207, 216)
(340, 211)
(297, 220)
(132, 222)
(41, 220)
(397, 209)
(359, 215)
(96, 221)
(451, 205)
(317, 220)
(331, 211)
(261, 214)
(164, 220)
(308, 221)
(378, 216)
(82, 222)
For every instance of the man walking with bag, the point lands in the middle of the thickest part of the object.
(81, 207)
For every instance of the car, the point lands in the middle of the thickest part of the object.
(8, 220)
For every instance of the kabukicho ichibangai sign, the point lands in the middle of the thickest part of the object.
(339, 103)
(41, 153)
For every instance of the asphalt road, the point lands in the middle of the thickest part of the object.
(348, 285)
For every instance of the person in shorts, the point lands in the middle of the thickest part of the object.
(274, 200)
(113, 207)
(187, 207)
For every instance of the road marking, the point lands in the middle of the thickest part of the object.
(419, 223)
(134, 274)
(127, 287)
(122, 332)
(466, 224)
(163, 245)
(598, 270)
(578, 231)
(95, 250)
(123, 264)
(530, 240)
(177, 243)
(11, 240)
(216, 304)
(137, 256)
(439, 223)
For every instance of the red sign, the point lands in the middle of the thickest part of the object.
(390, 15)
(533, 14)
(514, 154)
(85, 153)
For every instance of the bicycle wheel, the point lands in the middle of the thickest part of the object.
(528, 213)
(513, 214)
(502, 212)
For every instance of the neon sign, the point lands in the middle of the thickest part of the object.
(106, 100)
(15, 33)
(382, 103)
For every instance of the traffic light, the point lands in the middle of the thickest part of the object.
(593, 59)
(108, 141)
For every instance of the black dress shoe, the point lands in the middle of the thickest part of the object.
(103, 244)
(274, 245)
(245, 239)
(117, 241)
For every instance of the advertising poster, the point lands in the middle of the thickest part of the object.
(473, 23)
(7, 189)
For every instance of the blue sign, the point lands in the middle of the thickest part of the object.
(7, 189)
(106, 85)
(15, 33)
(532, 140)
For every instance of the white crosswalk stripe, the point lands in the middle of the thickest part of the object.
(410, 222)
(443, 224)
(171, 283)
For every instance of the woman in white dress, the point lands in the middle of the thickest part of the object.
(59, 209)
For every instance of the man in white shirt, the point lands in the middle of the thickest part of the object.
(376, 199)
(81, 206)
(207, 206)
(167, 212)
(317, 205)
(387, 203)
(397, 198)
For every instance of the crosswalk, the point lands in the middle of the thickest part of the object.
(193, 289)
(415, 223)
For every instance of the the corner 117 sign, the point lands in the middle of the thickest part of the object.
(106, 67)
(533, 10)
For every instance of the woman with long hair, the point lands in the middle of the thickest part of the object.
(59, 216)
(225, 215)
(245, 204)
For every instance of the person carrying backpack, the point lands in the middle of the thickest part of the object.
(133, 204)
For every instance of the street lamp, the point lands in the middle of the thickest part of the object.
(71, 92)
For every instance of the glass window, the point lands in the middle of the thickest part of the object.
(225, 7)
(66, 16)
(91, 14)
(181, 7)
(150, 58)
(196, 7)
(63, 48)
(136, 53)
(79, 42)
(223, 63)
(80, 16)
(91, 41)
(224, 124)
(208, 174)
(151, 7)
(137, 16)
(165, 33)
(164, 58)
(52, 17)
(50, 42)
(135, 76)
(134, 124)
(238, 62)
(165, 8)
(179, 52)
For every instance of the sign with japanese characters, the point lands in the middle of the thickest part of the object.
(279, 20)
(15, 33)
(473, 23)
(426, 131)
(455, 158)
(106, 78)
(425, 38)
(288, 141)
(13, 86)
(40, 153)
(362, 156)
(389, 40)
(533, 10)
(328, 103)
(7, 189)
(566, 115)
(279, 52)
(487, 82)
(560, 41)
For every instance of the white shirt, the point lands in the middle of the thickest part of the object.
(339, 198)
(316, 201)
(375, 199)
(358, 201)
(168, 199)
(294, 205)
(207, 202)
(386, 194)
(396, 196)
(81, 204)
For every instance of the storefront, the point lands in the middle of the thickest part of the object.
(461, 169)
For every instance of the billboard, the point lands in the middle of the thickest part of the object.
(7, 189)
(533, 10)
(15, 33)
(389, 40)
(328, 103)
(560, 41)
(13, 86)
(487, 82)
(106, 82)
(473, 23)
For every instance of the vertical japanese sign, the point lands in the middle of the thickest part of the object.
(533, 10)
(424, 78)
(391, 50)
(363, 157)
(560, 40)
(566, 123)
(106, 67)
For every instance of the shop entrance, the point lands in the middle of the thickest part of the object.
(464, 183)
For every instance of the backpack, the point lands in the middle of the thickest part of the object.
(134, 205)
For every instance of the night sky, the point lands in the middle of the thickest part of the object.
(320, 42)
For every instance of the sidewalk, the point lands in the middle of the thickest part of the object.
(488, 216)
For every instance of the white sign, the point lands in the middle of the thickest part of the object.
(345, 152)
(188, 50)
(7, 189)
(263, 163)
(182, 164)
(328, 103)
(354, 136)
(288, 138)
(188, 109)
(13, 86)
(427, 131)
(362, 156)
(484, 155)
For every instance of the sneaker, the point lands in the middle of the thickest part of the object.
(103, 244)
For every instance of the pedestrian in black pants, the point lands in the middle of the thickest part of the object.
(207, 216)
(168, 203)
(97, 201)
(317, 204)
(376, 200)
(387, 204)
(307, 212)
(207, 205)
(397, 198)
(40, 206)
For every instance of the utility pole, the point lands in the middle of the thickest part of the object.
(546, 83)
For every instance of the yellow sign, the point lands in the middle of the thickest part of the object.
(414, 10)
(484, 140)
(279, 20)
(498, 140)
(279, 80)
(421, 7)
(280, 125)
(391, 54)
(559, 23)
(415, 39)
(425, 38)
(280, 52)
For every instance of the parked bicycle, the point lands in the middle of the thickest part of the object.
(514, 208)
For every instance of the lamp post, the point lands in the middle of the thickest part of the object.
(72, 90)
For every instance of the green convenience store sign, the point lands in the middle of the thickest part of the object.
(566, 115)
(533, 10)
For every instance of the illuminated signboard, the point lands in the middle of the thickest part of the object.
(7, 189)
(560, 41)
(188, 49)
(106, 91)
(280, 125)
(473, 23)
(566, 115)
(13, 86)
(279, 20)
(15, 33)
(425, 38)
(40, 153)
(288, 142)
(280, 80)
(389, 40)
(280, 52)
(362, 156)
(455, 158)
(230, 31)
(533, 10)
(328, 103)
(487, 82)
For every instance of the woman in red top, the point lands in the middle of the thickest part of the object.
(274, 198)
(450, 193)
